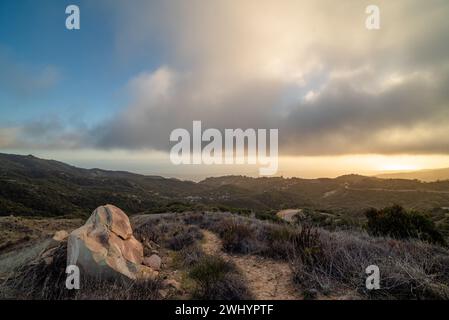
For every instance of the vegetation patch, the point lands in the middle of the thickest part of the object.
(174, 235)
(218, 279)
(46, 280)
(189, 256)
(409, 269)
(396, 222)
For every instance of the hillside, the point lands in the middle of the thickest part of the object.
(37, 187)
(349, 193)
(33, 186)
(423, 175)
(225, 256)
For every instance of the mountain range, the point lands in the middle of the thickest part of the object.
(427, 175)
(36, 187)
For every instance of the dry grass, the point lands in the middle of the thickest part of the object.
(19, 231)
(191, 255)
(218, 279)
(323, 262)
(409, 269)
(333, 263)
(46, 281)
(174, 235)
(237, 237)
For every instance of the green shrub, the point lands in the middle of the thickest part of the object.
(306, 244)
(398, 223)
(277, 240)
(218, 279)
(236, 236)
(269, 216)
(185, 237)
(174, 235)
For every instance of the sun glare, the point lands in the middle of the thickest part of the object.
(398, 167)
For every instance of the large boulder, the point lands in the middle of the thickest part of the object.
(105, 246)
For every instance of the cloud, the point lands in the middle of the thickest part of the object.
(50, 133)
(356, 117)
(8, 137)
(310, 69)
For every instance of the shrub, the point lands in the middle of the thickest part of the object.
(152, 231)
(237, 237)
(190, 255)
(396, 222)
(194, 218)
(185, 237)
(306, 244)
(41, 280)
(174, 235)
(409, 269)
(276, 240)
(269, 216)
(218, 279)
(180, 241)
(242, 235)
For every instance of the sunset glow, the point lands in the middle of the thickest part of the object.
(343, 97)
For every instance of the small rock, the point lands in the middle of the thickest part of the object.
(154, 261)
(60, 235)
(144, 272)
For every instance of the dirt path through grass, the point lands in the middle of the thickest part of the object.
(266, 278)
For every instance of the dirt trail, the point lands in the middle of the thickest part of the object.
(266, 278)
(289, 214)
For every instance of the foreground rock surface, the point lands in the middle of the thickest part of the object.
(154, 261)
(105, 246)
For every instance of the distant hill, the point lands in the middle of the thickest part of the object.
(33, 186)
(37, 187)
(423, 175)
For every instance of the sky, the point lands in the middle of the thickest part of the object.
(345, 99)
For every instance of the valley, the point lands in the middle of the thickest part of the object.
(264, 238)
